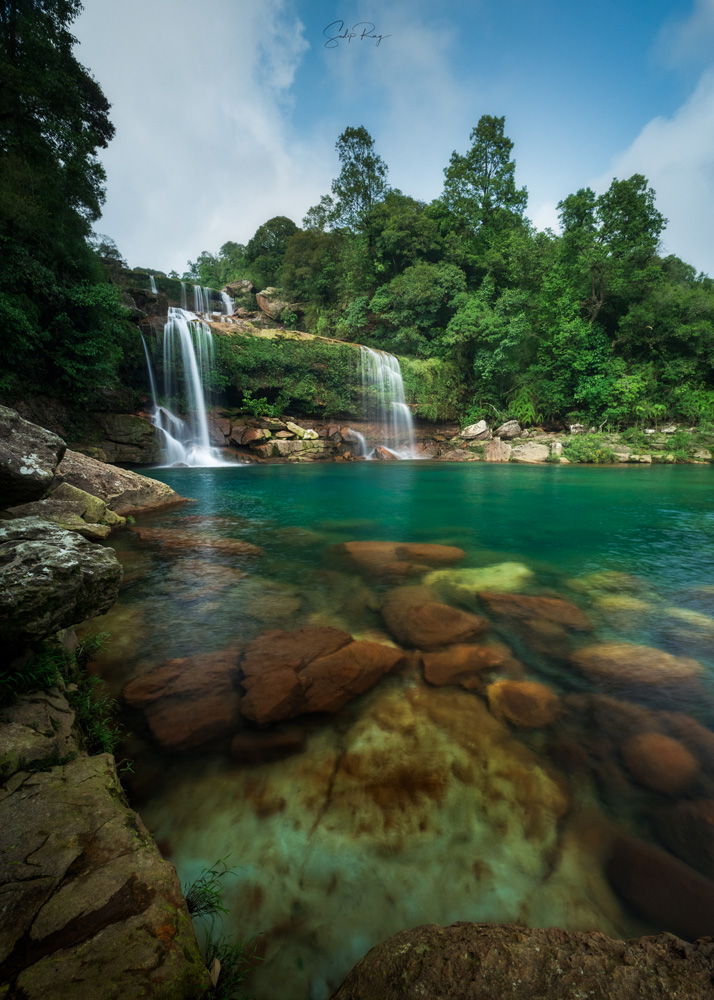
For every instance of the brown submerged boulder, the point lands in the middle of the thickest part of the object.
(189, 701)
(663, 890)
(687, 829)
(189, 541)
(395, 561)
(420, 623)
(526, 704)
(547, 609)
(660, 763)
(465, 665)
(316, 669)
(498, 961)
(622, 664)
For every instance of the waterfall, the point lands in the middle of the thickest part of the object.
(184, 297)
(188, 345)
(152, 285)
(204, 300)
(384, 402)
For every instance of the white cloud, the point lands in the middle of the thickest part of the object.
(416, 100)
(201, 96)
(677, 156)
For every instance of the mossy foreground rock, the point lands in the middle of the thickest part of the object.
(51, 579)
(494, 961)
(90, 910)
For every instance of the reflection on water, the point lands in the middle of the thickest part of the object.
(520, 762)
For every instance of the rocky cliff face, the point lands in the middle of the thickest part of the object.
(88, 907)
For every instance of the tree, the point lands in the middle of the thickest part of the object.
(60, 320)
(363, 178)
(480, 186)
(265, 250)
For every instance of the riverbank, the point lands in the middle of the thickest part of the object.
(130, 439)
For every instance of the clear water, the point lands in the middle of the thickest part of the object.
(335, 848)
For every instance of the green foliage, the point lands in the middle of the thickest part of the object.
(203, 894)
(236, 960)
(588, 448)
(363, 177)
(95, 714)
(265, 250)
(480, 186)
(44, 670)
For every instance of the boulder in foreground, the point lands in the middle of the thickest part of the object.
(498, 961)
(123, 491)
(51, 579)
(28, 457)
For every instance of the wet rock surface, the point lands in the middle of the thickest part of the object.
(28, 458)
(417, 622)
(90, 908)
(123, 491)
(51, 579)
(473, 961)
(286, 674)
(190, 701)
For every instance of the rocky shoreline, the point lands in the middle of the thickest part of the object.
(130, 439)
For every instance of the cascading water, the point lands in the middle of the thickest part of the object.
(384, 402)
(188, 343)
(152, 285)
(204, 299)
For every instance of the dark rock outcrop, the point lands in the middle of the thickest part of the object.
(28, 458)
(89, 906)
(51, 579)
(498, 961)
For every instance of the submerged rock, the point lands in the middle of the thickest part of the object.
(394, 560)
(316, 669)
(190, 701)
(546, 609)
(420, 623)
(465, 665)
(687, 829)
(189, 541)
(660, 763)
(524, 703)
(28, 458)
(51, 579)
(618, 664)
(663, 890)
(503, 961)
(465, 584)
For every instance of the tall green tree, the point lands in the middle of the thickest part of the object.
(61, 322)
(265, 250)
(363, 178)
(480, 186)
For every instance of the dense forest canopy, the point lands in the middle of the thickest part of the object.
(62, 328)
(591, 323)
(588, 324)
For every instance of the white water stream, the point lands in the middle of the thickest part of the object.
(187, 348)
(385, 403)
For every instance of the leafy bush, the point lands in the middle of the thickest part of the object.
(588, 448)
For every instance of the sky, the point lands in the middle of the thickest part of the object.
(227, 112)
